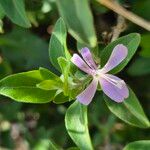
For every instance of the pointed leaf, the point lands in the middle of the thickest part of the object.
(47, 74)
(65, 67)
(22, 87)
(15, 11)
(78, 17)
(57, 45)
(77, 125)
(130, 110)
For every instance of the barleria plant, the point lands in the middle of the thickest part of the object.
(80, 76)
(42, 86)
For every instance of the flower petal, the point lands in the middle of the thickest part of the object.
(87, 56)
(77, 60)
(87, 95)
(115, 92)
(118, 54)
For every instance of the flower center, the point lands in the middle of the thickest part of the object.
(115, 82)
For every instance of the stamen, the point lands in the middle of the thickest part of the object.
(112, 81)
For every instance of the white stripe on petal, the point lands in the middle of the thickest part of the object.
(114, 87)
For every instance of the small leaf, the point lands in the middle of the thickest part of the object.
(47, 74)
(65, 67)
(22, 87)
(131, 41)
(57, 44)
(130, 110)
(138, 145)
(78, 17)
(60, 97)
(77, 125)
(15, 11)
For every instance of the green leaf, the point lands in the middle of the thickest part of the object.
(24, 50)
(140, 67)
(78, 17)
(77, 125)
(131, 41)
(15, 11)
(47, 74)
(60, 97)
(65, 67)
(22, 87)
(50, 85)
(57, 44)
(145, 46)
(130, 110)
(138, 145)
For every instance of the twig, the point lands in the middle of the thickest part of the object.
(125, 13)
(1, 59)
(120, 27)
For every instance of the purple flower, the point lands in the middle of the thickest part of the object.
(112, 86)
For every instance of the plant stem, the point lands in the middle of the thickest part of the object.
(125, 13)
(120, 27)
